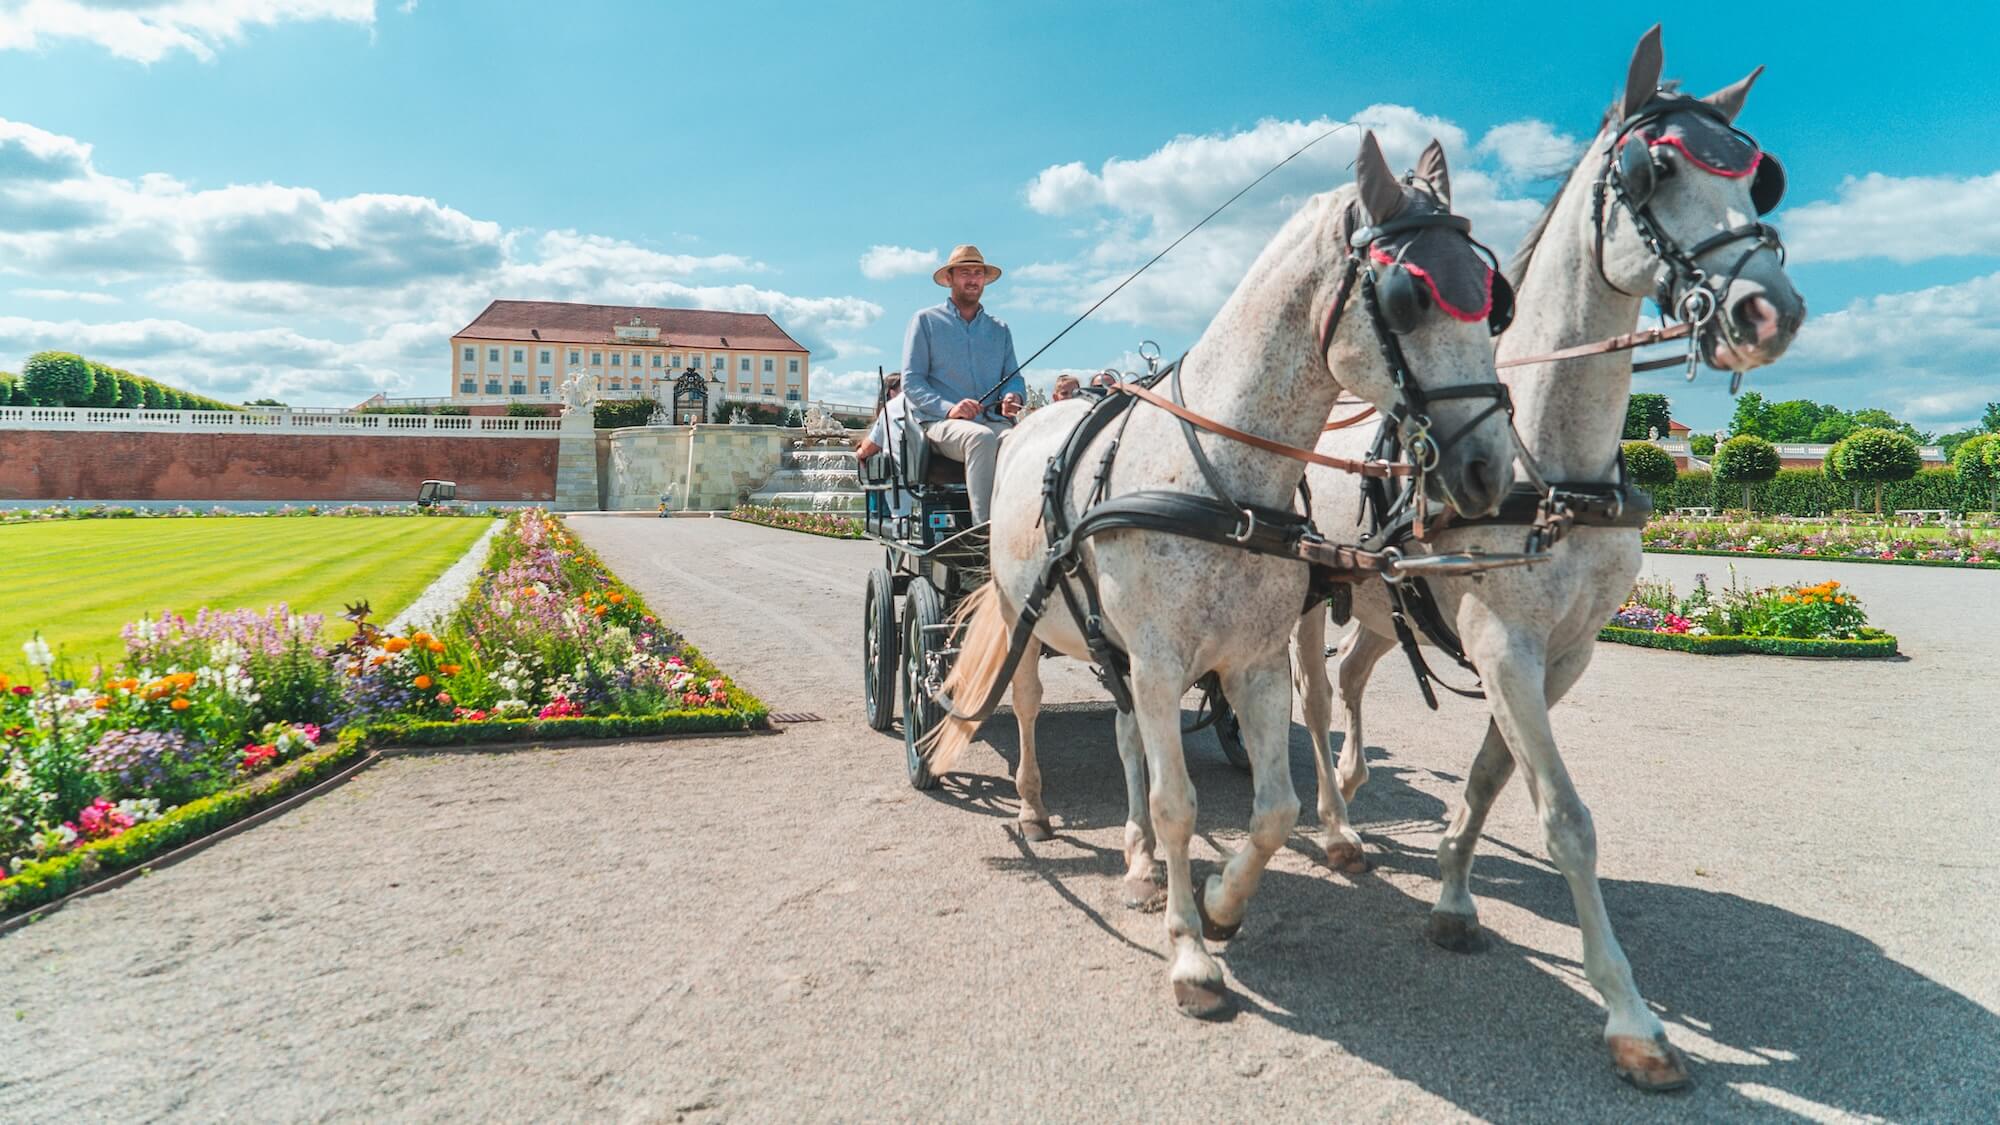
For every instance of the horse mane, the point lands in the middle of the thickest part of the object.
(1516, 269)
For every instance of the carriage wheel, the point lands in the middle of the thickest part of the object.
(1228, 731)
(922, 608)
(879, 647)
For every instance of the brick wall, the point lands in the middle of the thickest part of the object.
(87, 465)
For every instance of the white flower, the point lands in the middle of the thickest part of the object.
(38, 652)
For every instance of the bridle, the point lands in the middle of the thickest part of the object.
(1395, 301)
(1683, 289)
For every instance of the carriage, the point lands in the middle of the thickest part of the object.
(918, 509)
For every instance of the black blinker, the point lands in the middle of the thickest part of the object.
(1404, 300)
(1636, 170)
(1767, 186)
(1500, 313)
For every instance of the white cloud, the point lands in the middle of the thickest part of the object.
(83, 296)
(881, 263)
(149, 30)
(1136, 206)
(1903, 219)
(1530, 149)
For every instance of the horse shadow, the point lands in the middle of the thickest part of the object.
(1785, 1015)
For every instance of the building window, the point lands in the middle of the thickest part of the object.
(792, 396)
(520, 355)
(614, 383)
(743, 363)
(694, 361)
(518, 388)
(545, 359)
(597, 359)
(676, 364)
(616, 358)
(658, 359)
(472, 355)
(468, 386)
(493, 355)
(492, 386)
(769, 365)
(575, 357)
(769, 392)
(545, 388)
(721, 362)
(636, 361)
(791, 367)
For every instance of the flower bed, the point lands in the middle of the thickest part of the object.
(548, 645)
(1838, 541)
(1785, 620)
(812, 523)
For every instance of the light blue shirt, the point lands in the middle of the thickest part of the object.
(947, 358)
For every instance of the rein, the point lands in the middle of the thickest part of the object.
(1378, 469)
(1615, 344)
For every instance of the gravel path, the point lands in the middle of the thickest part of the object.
(442, 596)
(780, 929)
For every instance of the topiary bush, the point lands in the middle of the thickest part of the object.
(1973, 472)
(1648, 464)
(1877, 456)
(58, 379)
(617, 414)
(1745, 460)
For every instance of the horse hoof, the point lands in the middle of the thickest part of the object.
(1653, 1065)
(1036, 831)
(1210, 928)
(1143, 895)
(1201, 1000)
(1348, 858)
(1459, 933)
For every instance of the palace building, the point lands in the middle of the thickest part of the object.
(521, 351)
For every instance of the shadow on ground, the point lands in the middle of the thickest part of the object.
(1785, 1014)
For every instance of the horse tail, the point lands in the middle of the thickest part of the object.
(982, 654)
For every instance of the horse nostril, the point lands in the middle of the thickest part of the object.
(1758, 317)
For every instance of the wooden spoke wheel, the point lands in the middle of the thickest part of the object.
(880, 646)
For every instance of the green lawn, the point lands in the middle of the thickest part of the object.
(81, 581)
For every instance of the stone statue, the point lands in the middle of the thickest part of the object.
(1652, 433)
(579, 393)
(820, 421)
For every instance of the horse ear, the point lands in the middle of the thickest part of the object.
(1643, 78)
(1430, 168)
(1381, 195)
(1729, 100)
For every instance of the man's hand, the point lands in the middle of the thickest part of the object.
(966, 408)
(1010, 405)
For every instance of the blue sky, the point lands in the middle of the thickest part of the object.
(303, 198)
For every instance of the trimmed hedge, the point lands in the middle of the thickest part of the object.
(1809, 492)
(43, 882)
(1857, 649)
(706, 720)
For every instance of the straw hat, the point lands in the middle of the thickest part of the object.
(964, 256)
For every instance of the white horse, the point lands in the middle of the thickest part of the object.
(1179, 607)
(1531, 632)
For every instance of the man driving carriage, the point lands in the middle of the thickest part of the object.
(953, 356)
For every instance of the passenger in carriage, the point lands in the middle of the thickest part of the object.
(888, 421)
(1066, 387)
(952, 355)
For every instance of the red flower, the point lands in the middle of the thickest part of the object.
(23, 689)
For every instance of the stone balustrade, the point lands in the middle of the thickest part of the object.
(272, 422)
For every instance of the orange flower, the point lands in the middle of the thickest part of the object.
(423, 683)
(615, 598)
(420, 638)
(180, 704)
(448, 669)
(377, 660)
(102, 703)
(395, 644)
(436, 646)
(599, 611)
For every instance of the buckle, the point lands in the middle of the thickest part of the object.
(1245, 529)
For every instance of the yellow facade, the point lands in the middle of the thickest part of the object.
(500, 371)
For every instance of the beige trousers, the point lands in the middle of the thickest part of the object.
(976, 444)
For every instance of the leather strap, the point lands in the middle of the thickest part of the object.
(1623, 343)
(1378, 469)
(1350, 420)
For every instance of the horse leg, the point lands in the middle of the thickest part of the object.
(1315, 690)
(1356, 665)
(1266, 713)
(1156, 690)
(1033, 819)
(1516, 685)
(1141, 885)
(1454, 921)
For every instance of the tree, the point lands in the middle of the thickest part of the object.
(104, 388)
(8, 381)
(1701, 445)
(265, 402)
(1883, 420)
(58, 379)
(1991, 419)
(1833, 425)
(1648, 464)
(1879, 456)
(1793, 420)
(1951, 441)
(1745, 459)
(154, 394)
(1975, 473)
(1646, 412)
(1752, 416)
(131, 395)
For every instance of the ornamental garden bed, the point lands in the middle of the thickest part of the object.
(204, 722)
(1787, 620)
(812, 523)
(56, 513)
(1832, 541)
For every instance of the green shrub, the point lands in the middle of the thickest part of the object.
(1974, 472)
(619, 414)
(58, 379)
(1648, 464)
(9, 385)
(1876, 456)
(1647, 413)
(131, 393)
(1745, 460)
(524, 410)
(106, 387)
(1702, 445)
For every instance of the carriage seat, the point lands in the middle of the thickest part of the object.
(920, 467)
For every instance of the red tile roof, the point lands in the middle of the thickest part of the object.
(565, 323)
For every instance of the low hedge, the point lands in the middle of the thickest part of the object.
(43, 882)
(706, 720)
(1860, 648)
(847, 527)
(1820, 558)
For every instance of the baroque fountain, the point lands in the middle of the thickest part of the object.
(817, 472)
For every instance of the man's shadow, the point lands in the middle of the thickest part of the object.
(1784, 1014)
